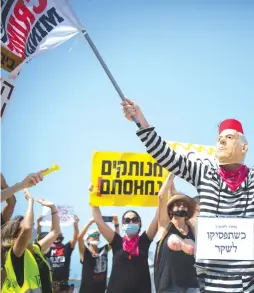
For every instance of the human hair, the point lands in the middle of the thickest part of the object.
(197, 199)
(138, 216)
(9, 233)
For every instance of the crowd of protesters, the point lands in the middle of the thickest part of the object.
(36, 261)
(39, 262)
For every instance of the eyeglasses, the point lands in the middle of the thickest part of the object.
(134, 220)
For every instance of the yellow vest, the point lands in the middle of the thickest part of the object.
(32, 280)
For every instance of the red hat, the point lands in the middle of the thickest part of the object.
(231, 124)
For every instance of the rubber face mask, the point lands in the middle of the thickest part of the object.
(131, 229)
(229, 148)
(181, 213)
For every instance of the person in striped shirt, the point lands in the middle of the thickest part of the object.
(225, 191)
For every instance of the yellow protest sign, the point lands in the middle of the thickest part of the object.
(9, 61)
(125, 179)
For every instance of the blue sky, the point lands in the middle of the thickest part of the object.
(188, 64)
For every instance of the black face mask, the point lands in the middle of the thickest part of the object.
(181, 214)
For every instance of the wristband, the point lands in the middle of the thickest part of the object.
(116, 225)
(54, 213)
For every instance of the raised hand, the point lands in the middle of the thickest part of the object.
(76, 219)
(91, 221)
(90, 188)
(44, 202)
(39, 219)
(32, 179)
(27, 194)
(115, 220)
(130, 109)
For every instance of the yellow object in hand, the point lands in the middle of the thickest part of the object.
(55, 167)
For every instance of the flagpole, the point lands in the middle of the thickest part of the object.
(110, 76)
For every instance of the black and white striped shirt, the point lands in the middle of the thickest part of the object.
(216, 197)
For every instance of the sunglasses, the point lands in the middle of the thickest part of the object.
(94, 235)
(134, 220)
(181, 203)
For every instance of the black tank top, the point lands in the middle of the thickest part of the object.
(174, 268)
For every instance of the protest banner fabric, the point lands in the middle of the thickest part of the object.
(125, 179)
(130, 179)
(7, 89)
(204, 153)
(9, 61)
(31, 27)
(65, 213)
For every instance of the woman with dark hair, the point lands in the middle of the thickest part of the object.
(174, 259)
(130, 270)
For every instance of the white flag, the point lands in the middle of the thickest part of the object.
(31, 27)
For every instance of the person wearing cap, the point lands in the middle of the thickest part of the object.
(174, 258)
(225, 190)
(94, 259)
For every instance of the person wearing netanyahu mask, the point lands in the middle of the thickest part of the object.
(225, 191)
(130, 270)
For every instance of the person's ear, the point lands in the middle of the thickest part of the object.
(245, 148)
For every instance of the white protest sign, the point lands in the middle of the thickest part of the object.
(225, 238)
(7, 88)
(65, 213)
(204, 153)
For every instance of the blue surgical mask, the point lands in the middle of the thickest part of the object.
(131, 229)
(34, 235)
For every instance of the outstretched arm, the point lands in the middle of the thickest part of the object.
(180, 165)
(153, 228)
(48, 240)
(10, 202)
(26, 230)
(164, 194)
(81, 245)
(29, 181)
(76, 232)
(104, 228)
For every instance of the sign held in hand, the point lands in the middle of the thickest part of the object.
(225, 238)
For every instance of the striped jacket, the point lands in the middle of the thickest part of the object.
(216, 198)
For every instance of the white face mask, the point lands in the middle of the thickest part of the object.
(94, 242)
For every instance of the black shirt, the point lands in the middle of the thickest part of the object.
(59, 256)
(18, 266)
(94, 271)
(130, 275)
(174, 268)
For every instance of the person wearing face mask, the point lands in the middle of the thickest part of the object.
(174, 258)
(59, 256)
(25, 266)
(94, 259)
(130, 270)
(225, 190)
